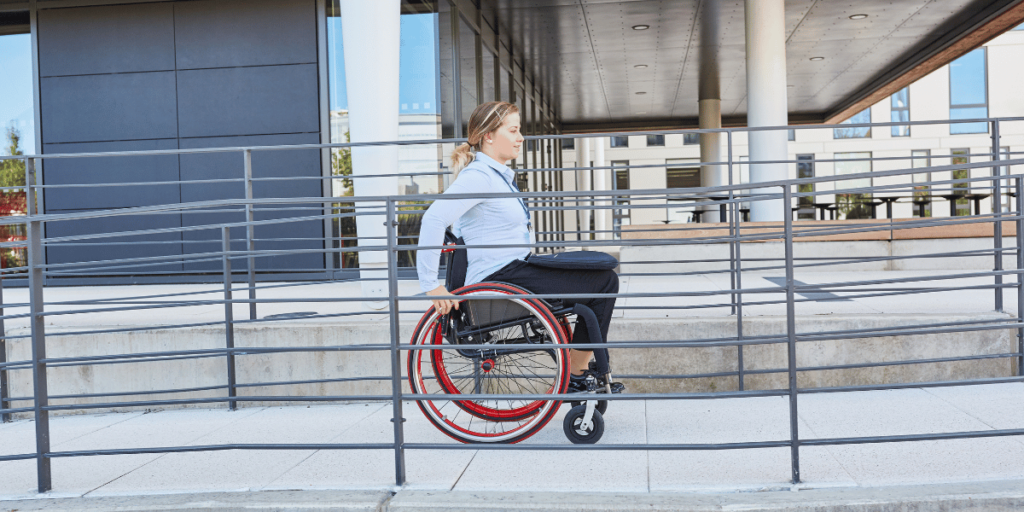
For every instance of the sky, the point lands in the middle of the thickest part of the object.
(16, 90)
(417, 88)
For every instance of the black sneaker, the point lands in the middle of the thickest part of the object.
(617, 387)
(582, 383)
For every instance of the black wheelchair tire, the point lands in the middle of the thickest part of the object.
(576, 436)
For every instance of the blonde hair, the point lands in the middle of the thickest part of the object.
(485, 119)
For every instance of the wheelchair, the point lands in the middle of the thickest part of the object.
(530, 356)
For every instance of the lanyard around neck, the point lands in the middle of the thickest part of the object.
(529, 224)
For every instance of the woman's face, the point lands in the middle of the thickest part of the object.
(504, 143)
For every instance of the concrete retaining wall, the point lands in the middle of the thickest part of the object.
(823, 252)
(140, 377)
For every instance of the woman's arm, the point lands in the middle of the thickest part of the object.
(440, 215)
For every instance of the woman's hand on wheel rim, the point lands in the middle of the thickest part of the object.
(443, 305)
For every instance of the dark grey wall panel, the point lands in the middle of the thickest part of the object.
(164, 244)
(96, 108)
(248, 101)
(293, 164)
(111, 39)
(229, 33)
(74, 171)
(265, 164)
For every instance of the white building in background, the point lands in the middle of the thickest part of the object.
(984, 83)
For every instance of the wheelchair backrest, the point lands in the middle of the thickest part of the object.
(456, 262)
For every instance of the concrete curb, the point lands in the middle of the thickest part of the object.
(290, 501)
(1002, 496)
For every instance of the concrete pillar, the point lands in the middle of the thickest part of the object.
(602, 221)
(583, 183)
(370, 33)
(766, 100)
(710, 104)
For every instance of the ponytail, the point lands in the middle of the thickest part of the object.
(461, 157)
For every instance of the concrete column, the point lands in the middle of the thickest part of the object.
(766, 100)
(710, 104)
(583, 183)
(603, 219)
(370, 33)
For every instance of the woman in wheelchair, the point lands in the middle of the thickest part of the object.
(494, 138)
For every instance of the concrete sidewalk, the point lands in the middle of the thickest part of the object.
(641, 473)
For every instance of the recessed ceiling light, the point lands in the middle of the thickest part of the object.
(817, 58)
(641, 93)
(640, 66)
(641, 27)
(858, 16)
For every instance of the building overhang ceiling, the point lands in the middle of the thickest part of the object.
(600, 73)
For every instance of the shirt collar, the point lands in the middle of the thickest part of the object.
(492, 163)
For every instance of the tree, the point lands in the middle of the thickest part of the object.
(341, 165)
(12, 172)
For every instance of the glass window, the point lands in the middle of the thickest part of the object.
(686, 177)
(805, 169)
(620, 181)
(423, 79)
(792, 135)
(506, 91)
(961, 156)
(467, 72)
(568, 144)
(968, 93)
(690, 139)
(620, 142)
(900, 104)
(446, 71)
(17, 126)
(853, 205)
(922, 197)
(489, 63)
(655, 140)
(864, 116)
(1019, 27)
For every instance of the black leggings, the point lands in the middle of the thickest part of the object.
(542, 280)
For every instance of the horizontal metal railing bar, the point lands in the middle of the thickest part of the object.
(313, 381)
(213, 400)
(340, 145)
(5, 458)
(131, 393)
(599, 447)
(911, 437)
(222, 447)
(903, 362)
(141, 360)
(566, 397)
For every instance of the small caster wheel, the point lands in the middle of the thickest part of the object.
(602, 405)
(573, 420)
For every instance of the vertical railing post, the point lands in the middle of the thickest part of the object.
(250, 244)
(229, 319)
(4, 403)
(794, 436)
(735, 266)
(35, 283)
(1019, 189)
(997, 229)
(396, 363)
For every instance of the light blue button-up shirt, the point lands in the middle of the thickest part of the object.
(491, 221)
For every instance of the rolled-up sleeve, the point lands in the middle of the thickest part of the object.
(440, 215)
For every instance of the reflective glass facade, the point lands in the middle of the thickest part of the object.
(968, 92)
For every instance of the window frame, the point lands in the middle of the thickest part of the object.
(659, 141)
(618, 142)
(966, 126)
(904, 129)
